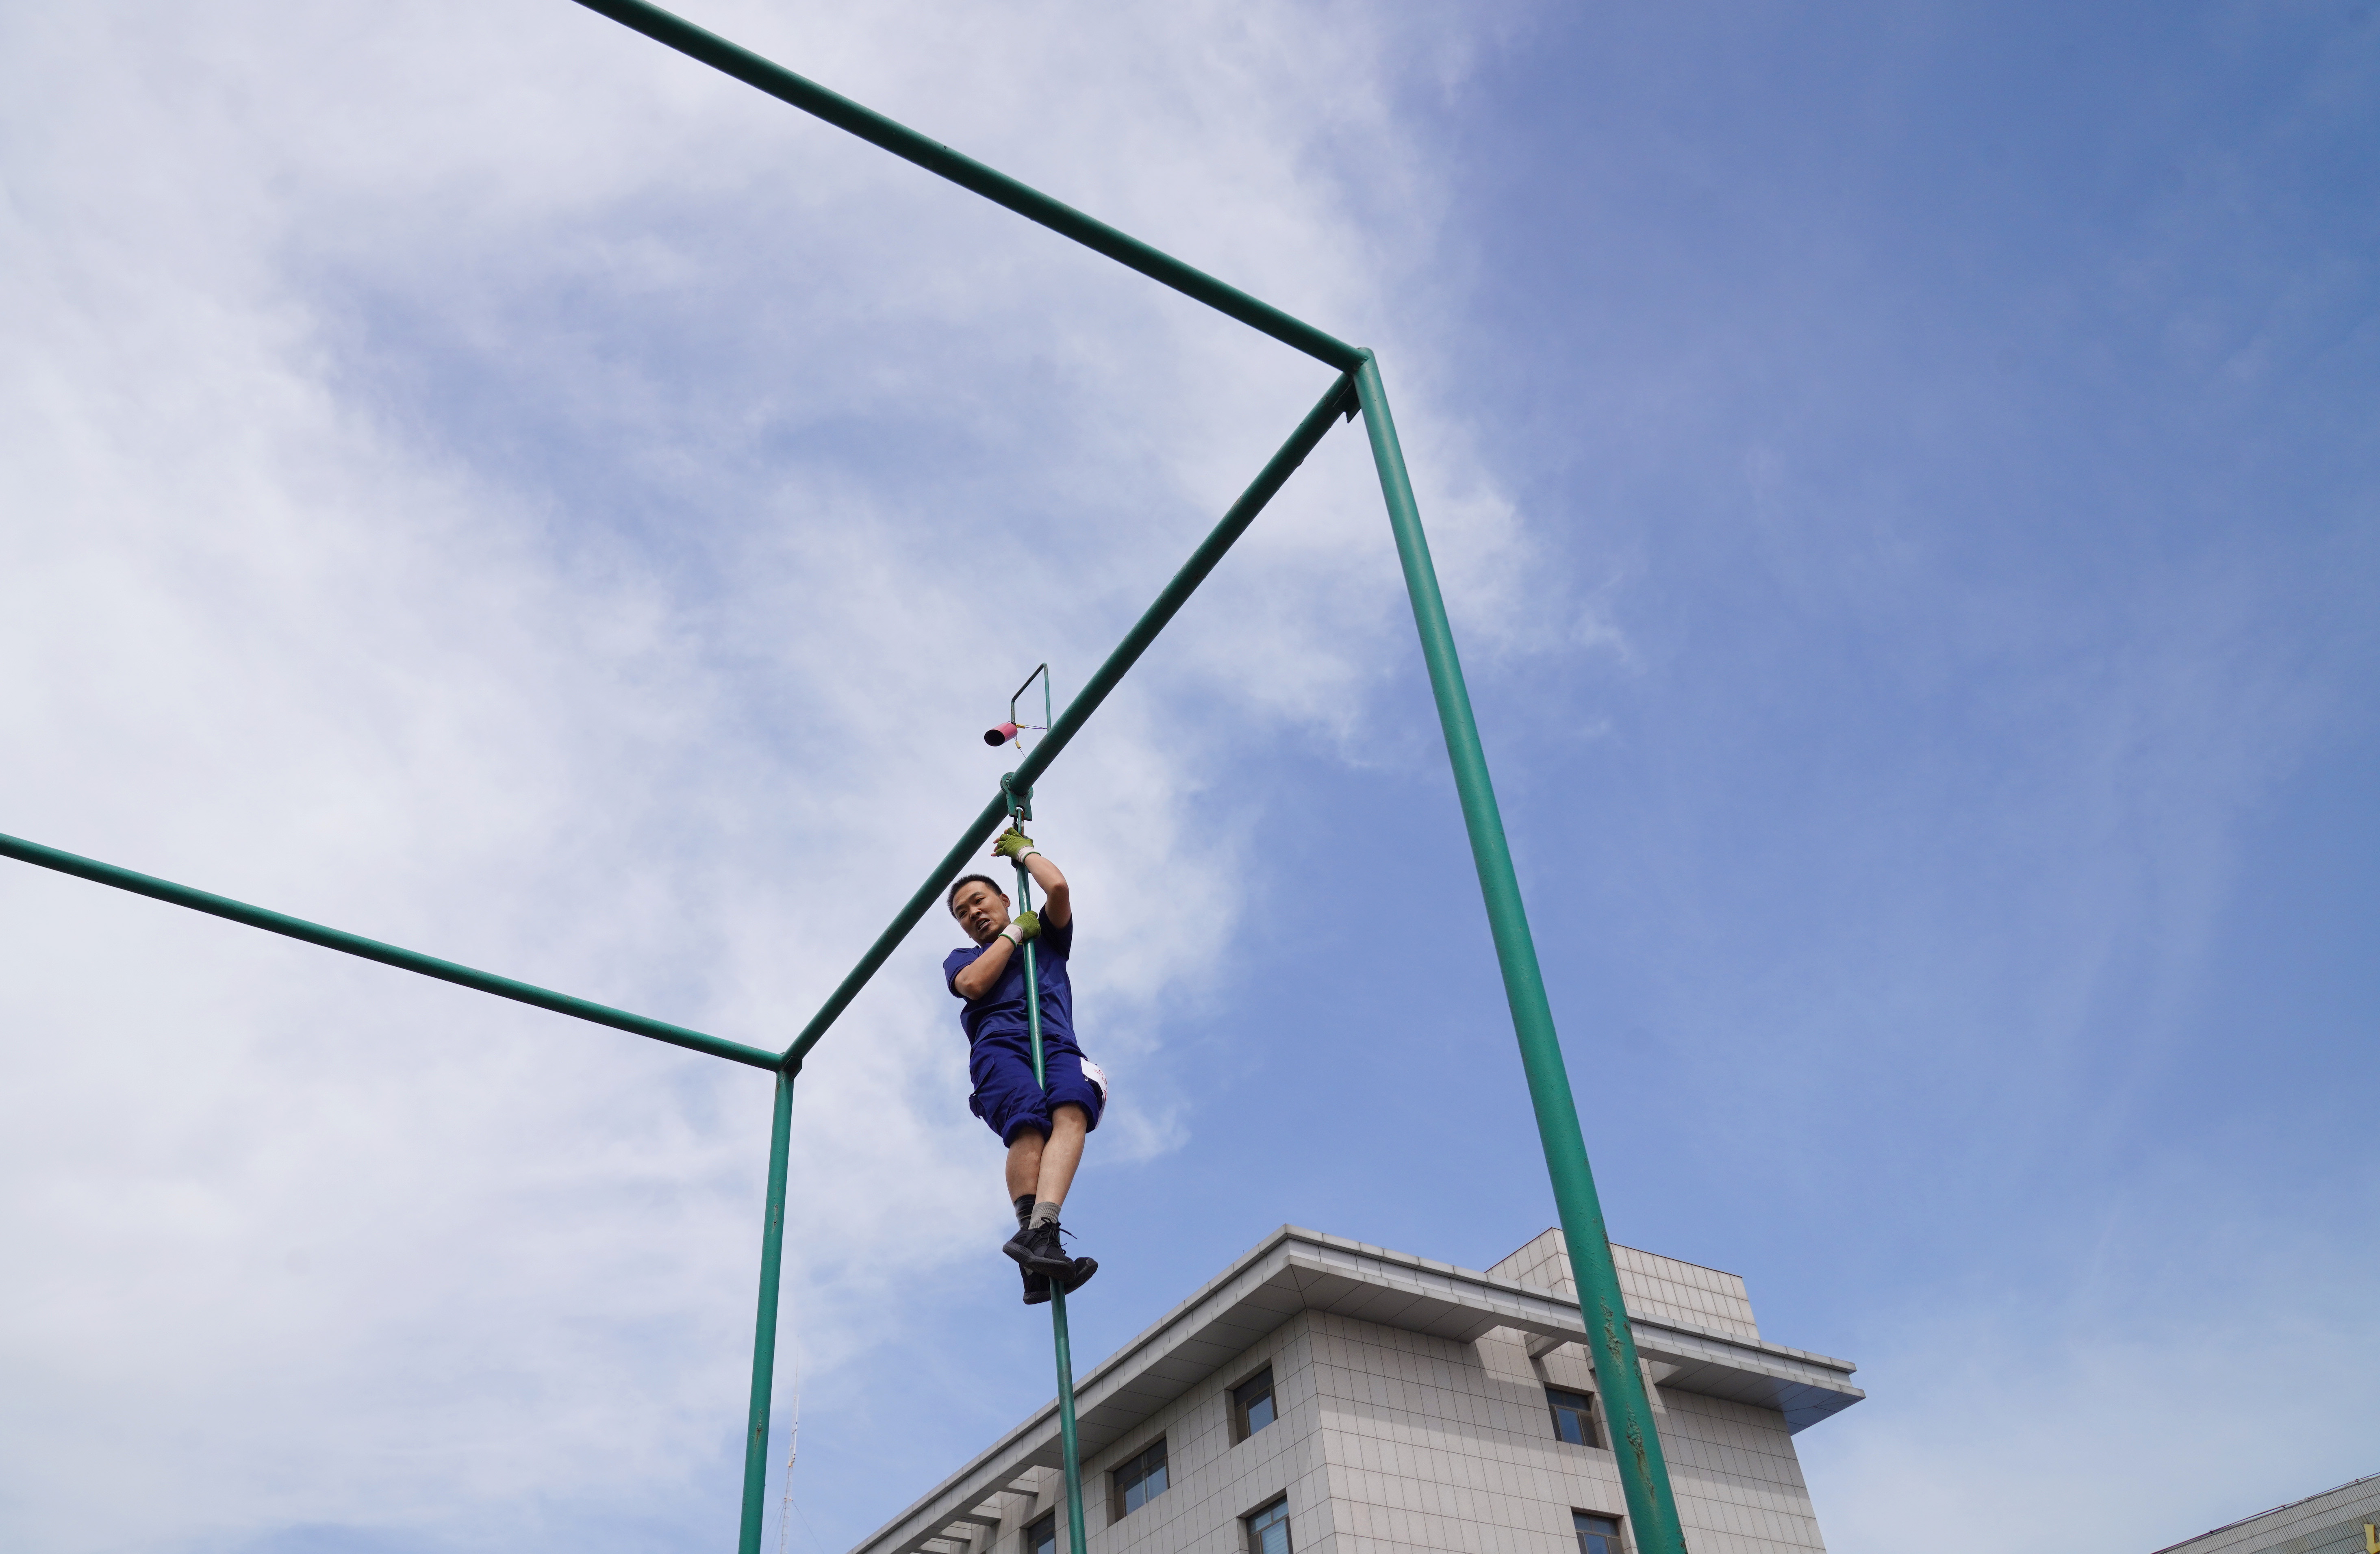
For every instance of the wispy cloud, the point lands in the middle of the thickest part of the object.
(490, 484)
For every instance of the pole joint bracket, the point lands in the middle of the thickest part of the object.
(1020, 804)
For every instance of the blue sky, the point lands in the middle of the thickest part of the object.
(1905, 482)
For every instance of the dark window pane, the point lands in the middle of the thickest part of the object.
(1269, 1530)
(1141, 1480)
(1597, 1534)
(1252, 1406)
(1574, 1417)
(1041, 1537)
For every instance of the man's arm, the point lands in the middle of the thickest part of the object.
(980, 976)
(1057, 902)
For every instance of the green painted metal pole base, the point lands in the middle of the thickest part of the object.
(764, 1327)
(1072, 1450)
(1644, 1475)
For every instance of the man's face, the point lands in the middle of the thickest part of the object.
(980, 910)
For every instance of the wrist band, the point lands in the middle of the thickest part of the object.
(1018, 858)
(1014, 934)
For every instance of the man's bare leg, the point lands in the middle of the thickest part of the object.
(1046, 1168)
(1023, 1171)
(1024, 1162)
(1068, 1124)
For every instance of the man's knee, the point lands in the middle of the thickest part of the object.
(1068, 1112)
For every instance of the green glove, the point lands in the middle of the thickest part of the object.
(1028, 924)
(1012, 845)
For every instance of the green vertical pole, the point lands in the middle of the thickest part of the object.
(1068, 1445)
(1644, 1475)
(764, 1331)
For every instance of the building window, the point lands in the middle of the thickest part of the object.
(1041, 1537)
(1574, 1417)
(1140, 1480)
(1252, 1407)
(1269, 1529)
(1597, 1534)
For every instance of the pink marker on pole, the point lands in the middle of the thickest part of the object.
(1001, 733)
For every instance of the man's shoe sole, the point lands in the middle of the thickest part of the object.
(1036, 1286)
(1032, 1260)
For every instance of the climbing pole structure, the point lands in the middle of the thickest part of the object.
(1354, 388)
(1070, 1451)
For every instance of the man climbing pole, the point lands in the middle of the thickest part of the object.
(1043, 1125)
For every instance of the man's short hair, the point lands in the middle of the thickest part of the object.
(951, 900)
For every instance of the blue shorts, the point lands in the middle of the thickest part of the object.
(1010, 1102)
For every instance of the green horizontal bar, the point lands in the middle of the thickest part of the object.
(1339, 399)
(373, 950)
(1275, 474)
(664, 27)
(954, 864)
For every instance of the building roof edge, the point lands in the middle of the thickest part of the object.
(2275, 1511)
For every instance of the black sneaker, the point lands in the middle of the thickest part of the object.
(1076, 1276)
(1037, 1249)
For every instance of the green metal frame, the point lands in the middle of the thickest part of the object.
(1356, 389)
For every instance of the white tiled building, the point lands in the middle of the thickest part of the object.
(1327, 1397)
(2341, 1521)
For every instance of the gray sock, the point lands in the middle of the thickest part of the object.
(1045, 1213)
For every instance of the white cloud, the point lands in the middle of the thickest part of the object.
(479, 481)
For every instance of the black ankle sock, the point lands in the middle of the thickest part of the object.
(1024, 1211)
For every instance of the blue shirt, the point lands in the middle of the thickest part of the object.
(998, 1014)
